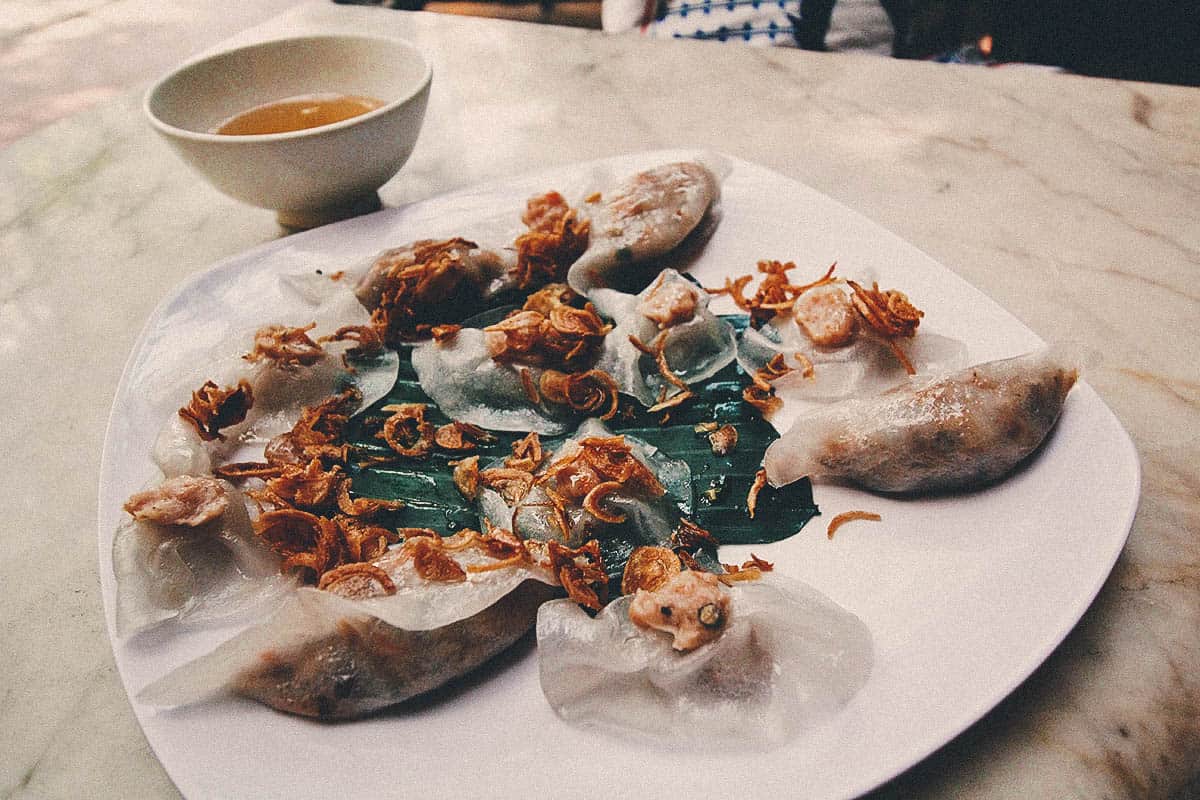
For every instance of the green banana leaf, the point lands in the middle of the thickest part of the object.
(720, 483)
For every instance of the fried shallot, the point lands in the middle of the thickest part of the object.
(213, 408)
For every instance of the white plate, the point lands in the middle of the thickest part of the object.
(964, 595)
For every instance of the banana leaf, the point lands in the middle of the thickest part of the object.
(720, 483)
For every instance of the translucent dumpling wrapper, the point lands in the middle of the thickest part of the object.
(647, 519)
(280, 392)
(194, 575)
(788, 658)
(864, 367)
(480, 272)
(957, 431)
(644, 218)
(671, 312)
(333, 657)
(468, 385)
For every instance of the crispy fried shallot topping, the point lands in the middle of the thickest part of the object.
(850, 516)
(556, 237)
(690, 538)
(313, 542)
(550, 297)
(444, 333)
(242, 470)
(512, 484)
(760, 480)
(527, 453)
(406, 430)
(581, 572)
(306, 541)
(369, 339)
(760, 393)
(364, 541)
(458, 436)
(591, 502)
(658, 350)
(357, 581)
(566, 338)
(183, 500)
(613, 460)
(310, 486)
(419, 289)
(502, 544)
(591, 392)
(363, 506)
(594, 469)
(286, 346)
(324, 423)
(889, 315)
(775, 293)
(649, 568)
(723, 440)
(750, 570)
(412, 533)
(213, 408)
(431, 560)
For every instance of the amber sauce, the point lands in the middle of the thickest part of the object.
(297, 114)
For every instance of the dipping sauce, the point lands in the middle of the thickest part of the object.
(297, 114)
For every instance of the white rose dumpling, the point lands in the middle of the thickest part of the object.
(670, 314)
(785, 658)
(642, 218)
(958, 431)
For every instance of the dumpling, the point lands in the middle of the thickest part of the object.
(275, 372)
(833, 354)
(618, 490)
(378, 634)
(672, 315)
(532, 370)
(957, 431)
(189, 555)
(641, 219)
(412, 288)
(774, 657)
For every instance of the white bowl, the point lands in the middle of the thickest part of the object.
(308, 176)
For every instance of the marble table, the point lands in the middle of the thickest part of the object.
(1073, 202)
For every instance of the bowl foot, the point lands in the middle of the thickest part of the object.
(305, 218)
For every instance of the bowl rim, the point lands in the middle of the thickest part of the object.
(256, 138)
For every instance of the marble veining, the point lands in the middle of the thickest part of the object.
(1070, 201)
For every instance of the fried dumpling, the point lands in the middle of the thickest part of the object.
(643, 218)
(672, 316)
(189, 555)
(784, 657)
(956, 431)
(418, 617)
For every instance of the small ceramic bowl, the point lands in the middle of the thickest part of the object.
(309, 176)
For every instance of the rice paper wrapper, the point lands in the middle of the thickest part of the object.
(327, 656)
(216, 573)
(863, 368)
(788, 658)
(695, 350)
